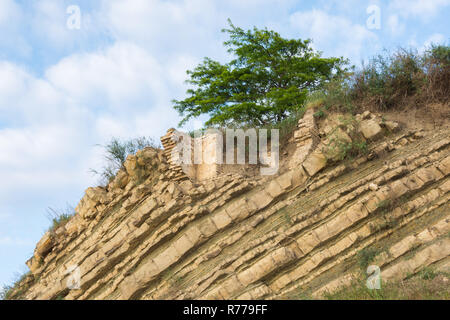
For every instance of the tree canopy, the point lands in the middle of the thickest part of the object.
(268, 79)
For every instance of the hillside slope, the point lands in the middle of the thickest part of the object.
(152, 233)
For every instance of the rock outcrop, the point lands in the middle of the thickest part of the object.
(156, 233)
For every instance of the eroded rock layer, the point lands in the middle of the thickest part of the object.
(154, 234)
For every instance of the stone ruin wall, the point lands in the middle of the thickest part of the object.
(204, 167)
(306, 139)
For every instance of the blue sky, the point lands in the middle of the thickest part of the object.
(63, 91)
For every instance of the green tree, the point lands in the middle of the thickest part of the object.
(268, 79)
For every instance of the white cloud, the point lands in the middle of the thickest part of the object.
(422, 46)
(436, 38)
(41, 160)
(403, 11)
(117, 77)
(424, 9)
(26, 99)
(30, 147)
(9, 12)
(396, 27)
(85, 99)
(12, 19)
(48, 20)
(8, 241)
(177, 68)
(12, 83)
(187, 27)
(337, 35)
(4, 215)
(161, 24)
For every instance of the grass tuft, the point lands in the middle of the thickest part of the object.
(59, 217)
(116, 152)
(415, 288)
(365, 257)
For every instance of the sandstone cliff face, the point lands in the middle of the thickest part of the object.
(154, 233)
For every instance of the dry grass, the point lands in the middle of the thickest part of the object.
(425, 286)
(390, 81)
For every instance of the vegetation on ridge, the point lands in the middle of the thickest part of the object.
(18, 287)
(272, 82)
(389, 81)
(426, 285)
(273, 78)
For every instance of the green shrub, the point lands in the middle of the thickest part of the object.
(286, 126)
(439, 55)
(390, 78)
(339, 147)
(384, 204)
(5, 292)
(59, 217)
(338, 95)
(365, 257)
(428, 274)
(387, 82)
(334, 95)
(437, 70)
(115, 154)
(319, 114)
(16, 289)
